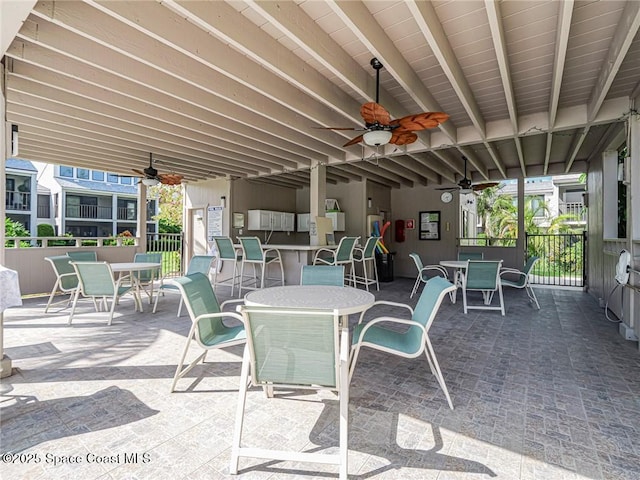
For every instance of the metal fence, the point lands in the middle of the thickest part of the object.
(171, 246)
(562, 259)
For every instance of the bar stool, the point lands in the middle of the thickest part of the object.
(364, 255)
(254, 255)
(226, 252)
(343, 255)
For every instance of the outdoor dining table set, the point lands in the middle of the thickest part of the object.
(298, 337)
(80, 274)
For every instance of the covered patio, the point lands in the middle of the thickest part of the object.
(548, 394)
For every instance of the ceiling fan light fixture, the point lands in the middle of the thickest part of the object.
(466, 191)
(375, 138)
(150, 182)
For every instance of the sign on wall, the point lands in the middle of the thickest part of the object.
(214, 222)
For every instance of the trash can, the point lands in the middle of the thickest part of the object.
(384, 264)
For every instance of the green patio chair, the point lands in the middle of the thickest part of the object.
(206, 314)
(522, 278)
(367, 257)
(457, 278)
(423, 273)
(483, 276)
(295, 349)
(413, 340)
(82, 256)
(342, 255)
(147, 278)
(226, 252)
(322, 275)
(197, 264)
(96, 281)
(255, 255)
(66, 279)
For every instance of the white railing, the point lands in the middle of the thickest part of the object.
(31, 242)
(573, 208)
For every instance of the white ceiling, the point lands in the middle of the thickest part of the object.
(239, 89)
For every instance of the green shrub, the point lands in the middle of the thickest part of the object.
(46, 230)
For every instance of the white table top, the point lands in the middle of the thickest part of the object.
(454, 263)
(346, 300)
(133, 266)
(10, 291)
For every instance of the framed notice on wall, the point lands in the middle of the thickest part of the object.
(429, 228)
(214, 222)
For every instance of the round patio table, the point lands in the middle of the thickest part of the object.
(346, 300)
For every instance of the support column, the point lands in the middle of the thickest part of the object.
(142, 217)
(318, 194)
(521, 241)
(632, 179)
(5, 133)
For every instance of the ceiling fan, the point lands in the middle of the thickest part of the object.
(465, 186)
(380, 129)
(150, 175)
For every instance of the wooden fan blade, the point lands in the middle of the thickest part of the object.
(353, 141)
(170, 178)
(482, 186)
(139, 172)
(421, 121)
(373, 112)
(402, 137)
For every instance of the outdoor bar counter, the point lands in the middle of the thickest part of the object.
(294, 257)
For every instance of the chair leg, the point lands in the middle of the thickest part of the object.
(464, 299)
(113, 308)
(415, 286)
(53, 293)
(435, 369)
(501, 299)
(375, 273)
(155, 302)
(344, 404)
(353, 357)
(281, 272)
(364, 273)
(532, 295)
(242, 398)
(179, 372)
(75, 302)
(180, 306)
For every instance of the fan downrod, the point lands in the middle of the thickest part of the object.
(375, 63)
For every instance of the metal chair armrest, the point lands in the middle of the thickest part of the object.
(322, 250)
(512, 271)
(385, 302)
(405, 321)
(435, 267)
(218, 314)
(233, 300)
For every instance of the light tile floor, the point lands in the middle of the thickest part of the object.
(551, 394)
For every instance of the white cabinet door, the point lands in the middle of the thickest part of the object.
(288, 222)
(303, 222)
(271, 221)
(259, 220)
(277, 221)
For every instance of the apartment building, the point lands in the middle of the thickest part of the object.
(20, 203)
(77, 201)
(563, 195)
